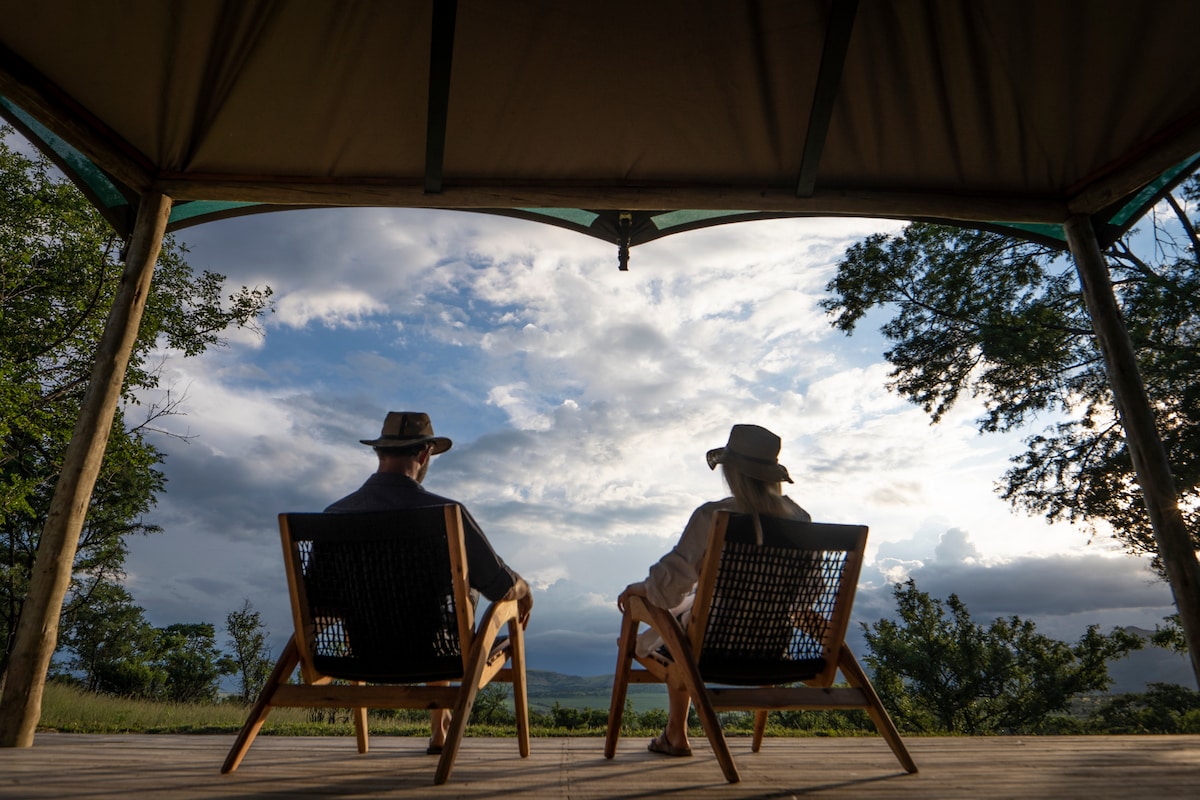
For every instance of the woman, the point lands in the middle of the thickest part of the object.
(750, 464)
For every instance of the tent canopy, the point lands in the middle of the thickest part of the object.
(1053, 119)
(628, 120)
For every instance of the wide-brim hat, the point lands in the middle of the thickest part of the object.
(754, 451)
(406, 428)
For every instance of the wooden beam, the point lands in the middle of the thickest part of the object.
(829, 79)
(37, 631)
(787, 698)
(1143, 165)
(1146, 449)
(441, 59)
(828, 201)
(54, 108)
(375, 696)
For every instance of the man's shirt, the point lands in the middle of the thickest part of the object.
(390, 491)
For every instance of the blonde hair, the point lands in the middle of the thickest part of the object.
(753, 496)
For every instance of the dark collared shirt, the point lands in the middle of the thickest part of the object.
(388, 491)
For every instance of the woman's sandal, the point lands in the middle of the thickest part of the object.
(433, 749)
(660, 744)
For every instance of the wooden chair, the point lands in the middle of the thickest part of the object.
(772, 607)
(381, 600)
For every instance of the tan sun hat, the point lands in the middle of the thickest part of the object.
(754, 451)
(405, 428)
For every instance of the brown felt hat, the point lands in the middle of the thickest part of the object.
(754, 451)
(406, 428)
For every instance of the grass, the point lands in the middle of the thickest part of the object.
(69, 709)
(641, 698)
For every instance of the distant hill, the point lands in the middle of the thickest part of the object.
(1151, 664)
(1130, 674)
(543, 682)
(573, 691)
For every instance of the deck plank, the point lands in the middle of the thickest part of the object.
(98, 767)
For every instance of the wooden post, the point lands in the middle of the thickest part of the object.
(37, 631)
(1141, 431)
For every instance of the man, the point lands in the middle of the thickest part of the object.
(404, 449)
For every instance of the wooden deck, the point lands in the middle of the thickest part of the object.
(182, 767)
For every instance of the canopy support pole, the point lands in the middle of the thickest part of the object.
(441, 59)
(829, 79)
(1141, 431)
(37, 630)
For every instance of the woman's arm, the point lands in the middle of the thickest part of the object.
(632, 590)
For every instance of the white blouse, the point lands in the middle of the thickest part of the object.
(676, 573)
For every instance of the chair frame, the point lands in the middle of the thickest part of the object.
(685, 647)
(483, 662)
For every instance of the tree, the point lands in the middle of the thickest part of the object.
(108, 640)
(248, 646)
(978, 314)
(1170, 636)
(491, 706)
(190, 662)
(938, 671)
(58, 274)
(1162, 708)
(113, 649)
(125, 491)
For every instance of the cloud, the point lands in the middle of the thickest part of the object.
(338, 308)
(1062, 593)
(956, 547)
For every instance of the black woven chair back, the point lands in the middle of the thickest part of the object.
(381, 604)
(770, 613)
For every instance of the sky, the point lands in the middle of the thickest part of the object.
(581, 401)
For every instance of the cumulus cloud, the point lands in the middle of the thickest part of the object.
(1063, 593)
(331, 308)
(956, 547)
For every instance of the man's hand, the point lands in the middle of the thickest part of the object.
(524, 608)
(632, 590)
(521, 592)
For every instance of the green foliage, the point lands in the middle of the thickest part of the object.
(113, 650)
(248, 650)
(654, 718)
(492, 706)
(822, 723)
(976, 314)
(59, 271)
(938, 671)
(71, 708)
(1163, 708)
(574, 719)
(1170, 636)
(108, 636)
(190, 661)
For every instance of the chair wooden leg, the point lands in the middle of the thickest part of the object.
(708, 718)
(462, 709)
(857, 677)
(616, 706)
(760, 727)
(360, 724)
(516, 635)
(685, 668)
(284, 667)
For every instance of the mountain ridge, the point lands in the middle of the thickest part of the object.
(1130, 674)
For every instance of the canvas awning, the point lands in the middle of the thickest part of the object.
(1061, 120)
(1017, 113)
